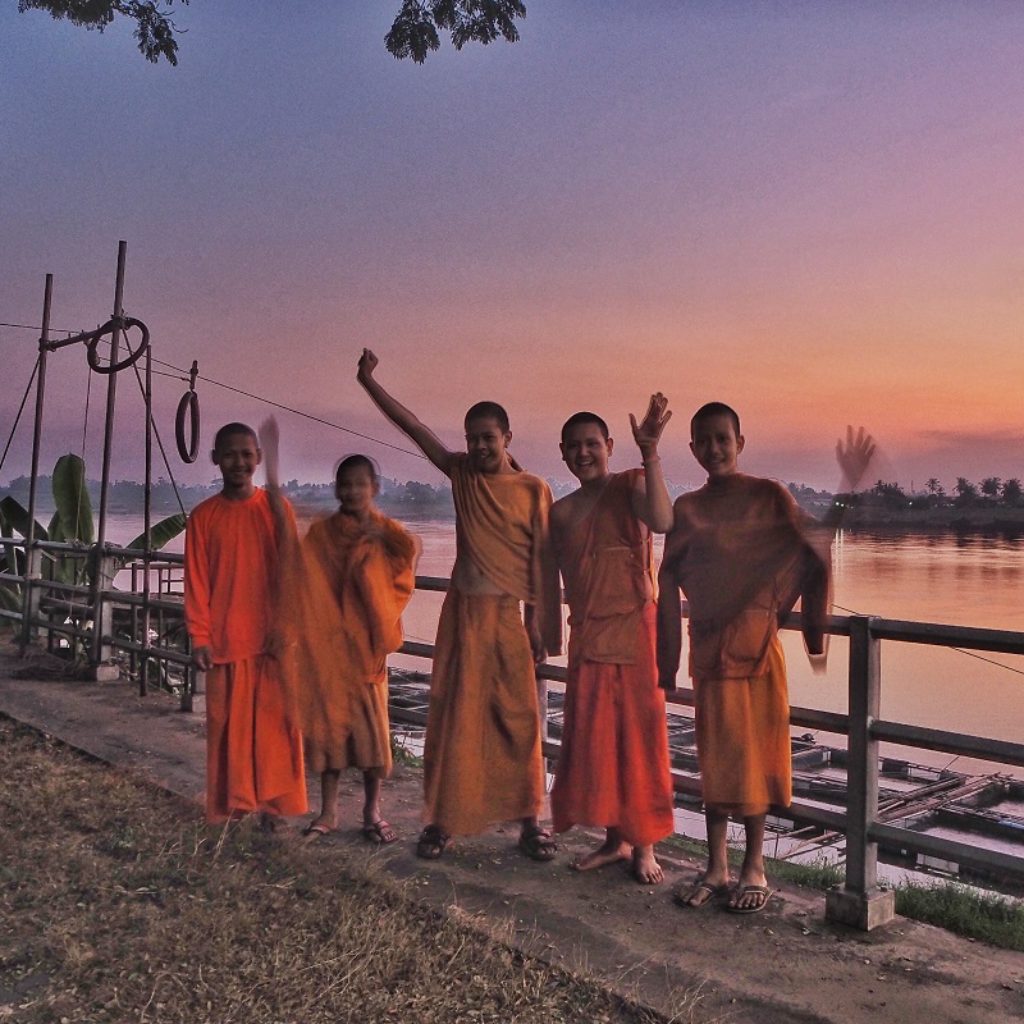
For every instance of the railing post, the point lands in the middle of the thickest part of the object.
(105, 670)
(860, 903)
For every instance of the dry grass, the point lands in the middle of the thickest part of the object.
(117, 904)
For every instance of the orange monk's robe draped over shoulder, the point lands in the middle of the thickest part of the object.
(254, 754)
(613, 770)
(743, 553)
(483, 749)
(344, 608)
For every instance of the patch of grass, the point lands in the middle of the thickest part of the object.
(117, 903)
(966, 911)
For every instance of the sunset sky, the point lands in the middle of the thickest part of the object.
(812, 211)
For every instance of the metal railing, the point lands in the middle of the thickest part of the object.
(70, 610)
(860, 902)
(78, 611)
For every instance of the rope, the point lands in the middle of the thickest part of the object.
(160, 445)
(21, 408)
(959, 650)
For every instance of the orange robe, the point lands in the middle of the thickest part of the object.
(482, 753)
(254, 755)
(613, 770)
(742, 552)
(367, 573)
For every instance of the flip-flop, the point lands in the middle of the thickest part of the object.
(432, 843)
(684, 895)
(315, 830)
(537, 844)
(763, 892)
(379, 832)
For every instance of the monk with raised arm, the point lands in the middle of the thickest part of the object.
(253, 752)
(743, 553)
(614, 769)
(501, 615)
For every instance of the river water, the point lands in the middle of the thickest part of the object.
(950, 578)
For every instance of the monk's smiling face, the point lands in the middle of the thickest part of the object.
(487, 444)
(237, 456)
(716, 445)
(585, 450)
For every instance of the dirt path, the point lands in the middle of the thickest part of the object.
(785, 965)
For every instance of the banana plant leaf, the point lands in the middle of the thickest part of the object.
(16, 516)
(161, 533)
(74, 510)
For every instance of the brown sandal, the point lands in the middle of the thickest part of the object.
(432, 843)
(537, 844)
(379, 832)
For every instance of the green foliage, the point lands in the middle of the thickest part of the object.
(966, 911)
(415, 30)
(160, 533)
(154, 28)
(73, 519)
(72, 523)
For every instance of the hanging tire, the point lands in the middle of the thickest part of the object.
(188, 408)
(92, 353)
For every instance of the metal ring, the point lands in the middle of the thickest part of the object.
(189, 405)
(108, 328)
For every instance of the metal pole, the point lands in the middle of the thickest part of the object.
(99, 653)
(30, 603)
(860, 903)
(862, 765)
(147, 514)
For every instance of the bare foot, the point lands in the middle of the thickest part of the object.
(646, 869)
(611, 852)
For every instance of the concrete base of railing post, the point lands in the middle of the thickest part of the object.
(107, 672)
(860, 910)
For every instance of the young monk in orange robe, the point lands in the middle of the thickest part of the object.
(367, 562)
(614, 765)
(743, 553)
(483, 748)
(254, 755)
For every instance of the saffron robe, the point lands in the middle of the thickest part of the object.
(614, 769)
(743, 553)
(254, 754)
(482, 755)
(357, 579)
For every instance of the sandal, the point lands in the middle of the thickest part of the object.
(699, 893)
(537, 844)
(432, 843)
(379, 832)
(761, 894)
(316, 830)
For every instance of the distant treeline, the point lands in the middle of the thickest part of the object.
(989, 500)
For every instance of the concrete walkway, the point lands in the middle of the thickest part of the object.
(784, 965)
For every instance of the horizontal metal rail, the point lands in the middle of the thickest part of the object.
(864, 726)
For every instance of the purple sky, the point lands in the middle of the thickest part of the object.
(811, 211)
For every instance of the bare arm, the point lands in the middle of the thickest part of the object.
(270, 441)
(422, 436)
(652, 504)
